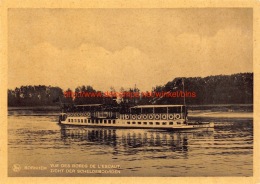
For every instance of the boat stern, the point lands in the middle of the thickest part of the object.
(62, 117)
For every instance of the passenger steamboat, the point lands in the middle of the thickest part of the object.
(142, 116)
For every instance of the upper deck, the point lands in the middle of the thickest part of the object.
(89, 108)
(154, 109)
(95, 109)
(155, 106)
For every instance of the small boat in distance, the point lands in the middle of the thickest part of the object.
(142, 116)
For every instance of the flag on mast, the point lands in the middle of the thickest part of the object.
(184, 102)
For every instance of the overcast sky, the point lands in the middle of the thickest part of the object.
(124, 47)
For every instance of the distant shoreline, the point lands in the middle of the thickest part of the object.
(225, 111)
(42, 108)
(228, 115)
(221, 116)
(214, 107)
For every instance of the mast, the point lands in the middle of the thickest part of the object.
(184, 103)
(134, 95)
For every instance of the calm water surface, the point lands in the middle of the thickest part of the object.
(38, 142)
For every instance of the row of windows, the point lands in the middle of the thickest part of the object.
(158, 110)
(151, 123)
(105, 121)
(109, 121)
(77, 120)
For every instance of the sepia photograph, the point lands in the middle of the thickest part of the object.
(130, 92)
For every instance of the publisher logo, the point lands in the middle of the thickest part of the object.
(16, 168)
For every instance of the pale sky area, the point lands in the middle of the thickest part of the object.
(124, 47)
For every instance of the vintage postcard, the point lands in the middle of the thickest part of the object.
(130, 92)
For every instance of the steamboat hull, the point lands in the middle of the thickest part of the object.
(149, 125)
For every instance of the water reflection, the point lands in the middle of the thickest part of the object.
(39, 140)
(132, 138)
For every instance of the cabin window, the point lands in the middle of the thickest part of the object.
(81, 120)
(93, 121)
(100, 121)
(114, 121)
(164, 123)
(128, 122)
(139, 123)
(87, 108)
(174, 109)
(178, 123)
(147, 110)
(105, 121)
(88, 120)
(150, 123)
(160, 110)
(109, 121)
(157, 123)
(96, 120)
(136, 111)
(171, 123)
(85, 121)
(68, 120)
(133, 122)
(184, 109)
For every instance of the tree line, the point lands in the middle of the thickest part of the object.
(218, 89)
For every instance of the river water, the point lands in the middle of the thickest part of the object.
(38, 146)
